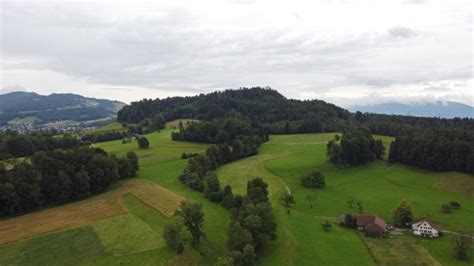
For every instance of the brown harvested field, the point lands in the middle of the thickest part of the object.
(156, 196)
(92, 209)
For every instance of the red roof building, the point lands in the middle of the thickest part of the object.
(372, 223)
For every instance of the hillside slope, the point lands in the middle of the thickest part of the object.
(262, 106)
(22, 110)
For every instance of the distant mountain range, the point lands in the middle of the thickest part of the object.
(434, 109)
(25, 110)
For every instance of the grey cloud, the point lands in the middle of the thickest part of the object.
(175, 51)
(402, 32)
(436, 88)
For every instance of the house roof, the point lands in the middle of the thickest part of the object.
(424, 219)
(364, 220)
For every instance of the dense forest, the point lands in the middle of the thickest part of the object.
(56, 176)
(13, 144)
(218, 131)
(265, 107)
(394, 125)
(440, 150)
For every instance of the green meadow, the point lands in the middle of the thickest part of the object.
(378, 185)
(135, 238)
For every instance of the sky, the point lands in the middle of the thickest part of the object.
(341, 51)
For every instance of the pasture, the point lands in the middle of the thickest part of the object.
(126, 227)
(378, 185)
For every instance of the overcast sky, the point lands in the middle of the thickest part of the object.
(345, 52)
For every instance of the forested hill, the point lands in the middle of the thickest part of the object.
(277, 114)
(267, 107)
(27, 108)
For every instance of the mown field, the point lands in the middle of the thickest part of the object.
(133, 235)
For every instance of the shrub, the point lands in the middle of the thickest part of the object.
(455, 204)
(143, 143)
(315, 179)
(446, 208)
(326, 225)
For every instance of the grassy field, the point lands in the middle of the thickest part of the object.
(379, 186)
(133, 234)
(24, 120)
(116, 126)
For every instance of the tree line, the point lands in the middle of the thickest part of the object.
(253, 224)
(395, 125)
(234, 147)
(14, 144)
(50, 177)
(441, 150)
(218, 131)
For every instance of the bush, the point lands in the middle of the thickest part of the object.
(143, 143)
(326, 225)
(446, 208)
(315, 180)
(455, 204)
(188, 155)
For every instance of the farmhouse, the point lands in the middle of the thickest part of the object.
(425, 227)
(371, 224)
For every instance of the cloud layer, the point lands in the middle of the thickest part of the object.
(334, 50)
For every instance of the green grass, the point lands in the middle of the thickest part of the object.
(69, 247)
(441, 250)
(24, 120)
(399, 250)
(379, 186)
(135, 238)
(162, 163)
(126, 234)
(115, 126)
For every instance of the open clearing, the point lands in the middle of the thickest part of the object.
(132, 234)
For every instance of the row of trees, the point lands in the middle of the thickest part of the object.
(56, 176)
(105, 136)
(14, 144)
(357, 146)
(236, 147)
(200, 166)
(395, 125)
(218, 131)
(442, 150)
(252, 225)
